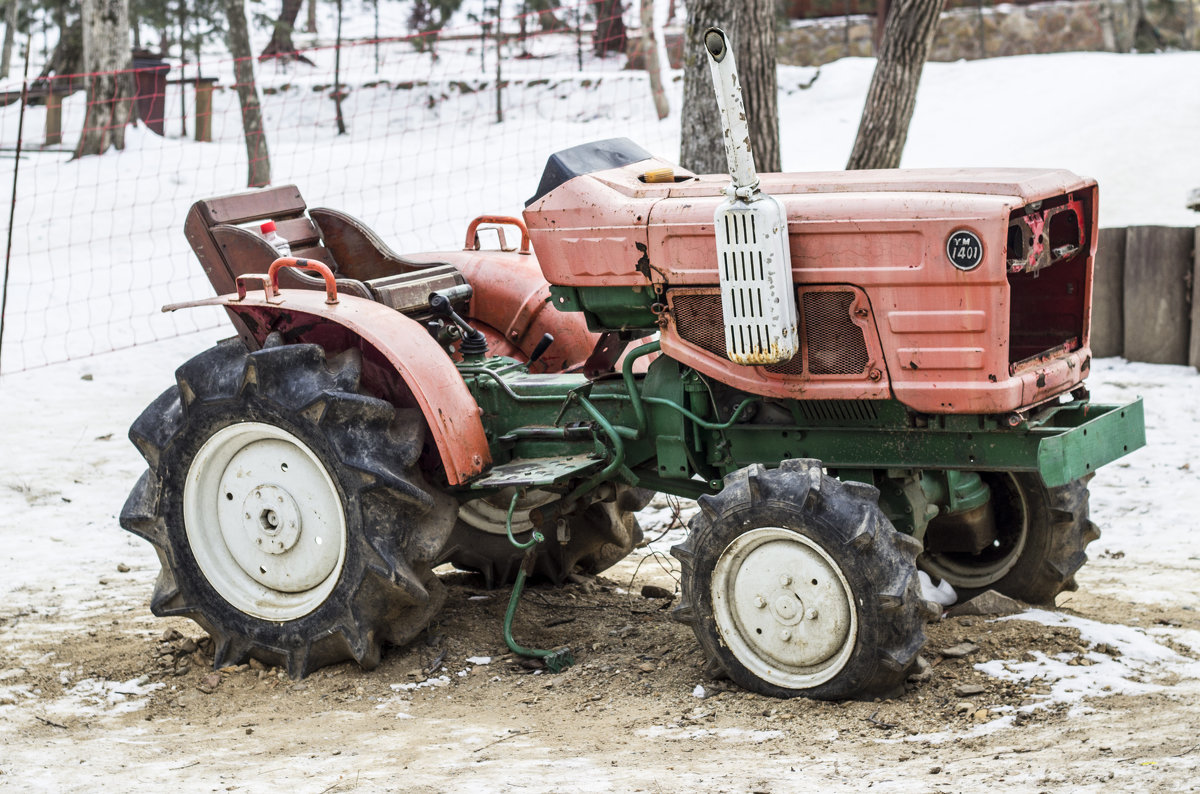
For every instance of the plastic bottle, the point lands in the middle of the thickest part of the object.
(271, 236)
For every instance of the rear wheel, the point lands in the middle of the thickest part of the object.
(1041, 536)
(286, 508)
(797, 584)
(600, 534)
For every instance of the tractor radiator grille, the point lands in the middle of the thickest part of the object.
(830, 341)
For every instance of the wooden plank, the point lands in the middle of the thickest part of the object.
(276, 202)
(1194, 355)
(53, 119)
(1108, 295)
(1158, 265)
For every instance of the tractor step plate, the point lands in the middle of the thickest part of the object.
(537, 471)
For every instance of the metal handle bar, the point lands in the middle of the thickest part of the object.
(472, 243)
(331, 295)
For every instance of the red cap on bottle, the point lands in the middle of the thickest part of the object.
(268, 227)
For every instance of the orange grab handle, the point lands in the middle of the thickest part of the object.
(305, 264)
(472, 243)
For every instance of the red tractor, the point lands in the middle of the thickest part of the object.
(856, 374)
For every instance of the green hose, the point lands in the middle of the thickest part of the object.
(558, 659)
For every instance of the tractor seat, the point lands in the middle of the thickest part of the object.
(223, 232)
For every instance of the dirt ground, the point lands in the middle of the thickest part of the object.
(108, 692)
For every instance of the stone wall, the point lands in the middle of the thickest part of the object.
(1064, 26)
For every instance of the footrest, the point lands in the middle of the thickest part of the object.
(532, 472)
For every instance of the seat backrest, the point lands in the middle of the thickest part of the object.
(227, 251)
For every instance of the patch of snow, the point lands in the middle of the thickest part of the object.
(94, 696)
(942, 595)
(1139, 665)
(739, 735)
(441, 680)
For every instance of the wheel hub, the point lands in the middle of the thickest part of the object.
(784, 607)
(271, 518)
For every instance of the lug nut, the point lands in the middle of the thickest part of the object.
(760, 602)
(811, 614)
(785, 635)
(785, 580)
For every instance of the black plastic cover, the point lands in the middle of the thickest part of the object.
(585, 159)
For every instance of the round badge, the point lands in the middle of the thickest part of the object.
(964, 249)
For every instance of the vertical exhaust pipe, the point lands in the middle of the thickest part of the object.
(758, 301)
(733, 113)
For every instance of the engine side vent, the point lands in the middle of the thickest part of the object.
(831, 341)
(831, 411)
(836, 346)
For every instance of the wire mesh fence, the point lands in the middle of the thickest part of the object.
(438, 129)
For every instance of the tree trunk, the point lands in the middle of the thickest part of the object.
(10, 30)
(650, 55)
(107, 59)
(755, 50)
(310, 25)
(67, 58)
(750, 26)
(243, 68)
(883, 130)
(281, 45)
(609, 35)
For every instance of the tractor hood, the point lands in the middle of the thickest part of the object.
(597, 221)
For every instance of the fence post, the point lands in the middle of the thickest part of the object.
(12, 212)
(579, 34)
(53, 116)
(499, 77)
(204, 100)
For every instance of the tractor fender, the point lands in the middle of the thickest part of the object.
(427, 373)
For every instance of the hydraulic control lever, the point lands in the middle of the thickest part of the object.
(474, 343)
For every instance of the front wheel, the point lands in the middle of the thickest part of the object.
(1041, 534)
(796, 584)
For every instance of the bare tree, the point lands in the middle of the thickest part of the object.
(755, 48)
(10, 30)
(108, 61)
(281, 44)
(243, 69)
(67, 57)
(653, 67)
(750, 25)
(609, 35)
(883, 129)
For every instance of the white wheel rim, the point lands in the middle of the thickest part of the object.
(264, 521)
(784, 608)
(489, 513)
